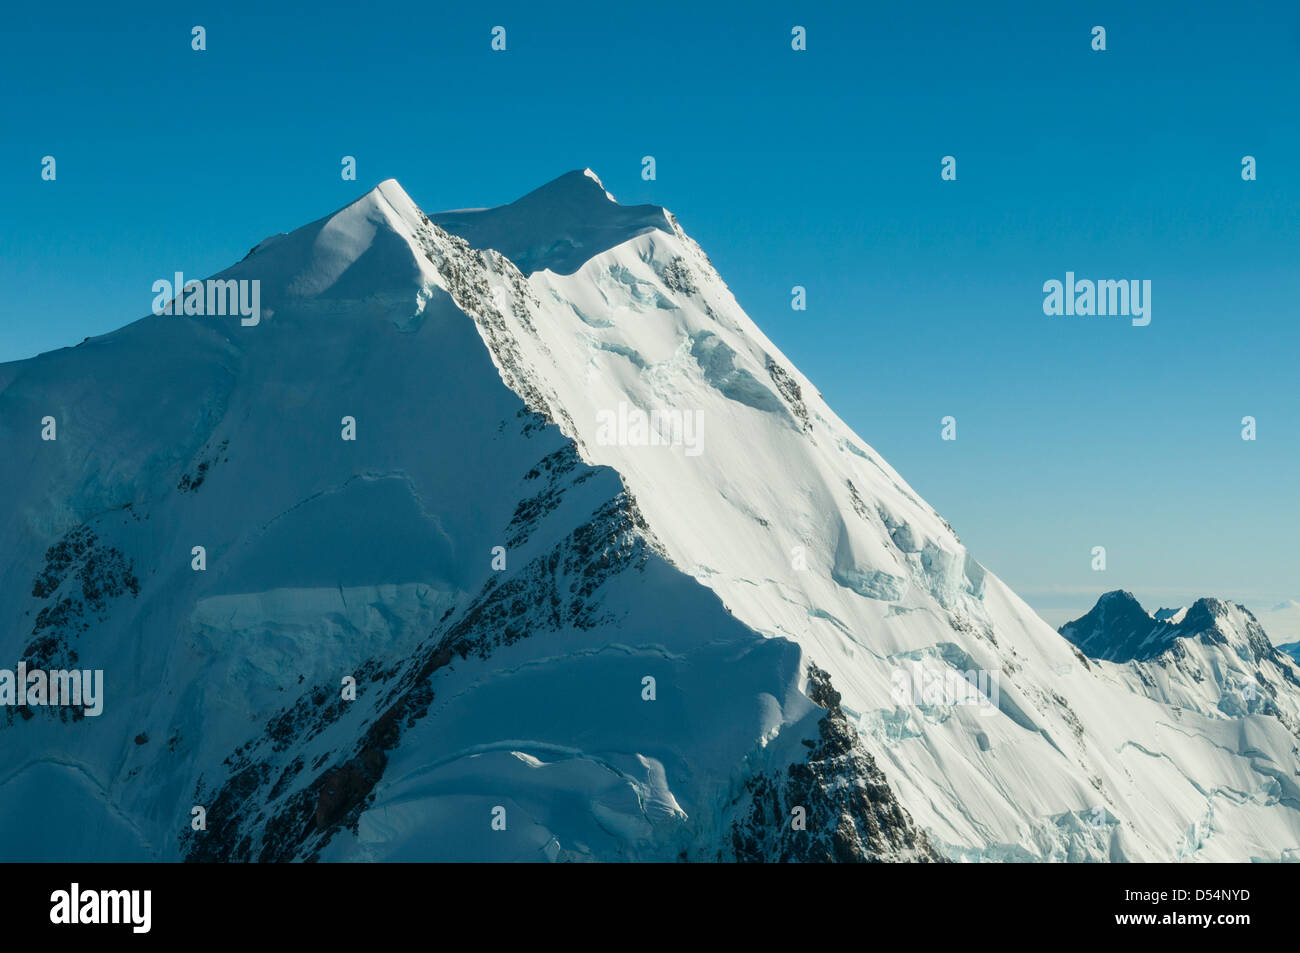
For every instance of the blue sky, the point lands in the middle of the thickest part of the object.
(817, 168)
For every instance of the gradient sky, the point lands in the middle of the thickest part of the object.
(818, 168)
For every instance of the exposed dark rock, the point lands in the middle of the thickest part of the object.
(851, 813)
(790, 390)
(348, 787)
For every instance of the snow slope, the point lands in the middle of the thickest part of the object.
(817, 635)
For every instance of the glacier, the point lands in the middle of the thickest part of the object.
(564, 647)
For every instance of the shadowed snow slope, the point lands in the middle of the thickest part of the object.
(697, 620)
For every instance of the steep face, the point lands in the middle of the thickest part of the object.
(1118, 629)
(515, 637)
(754, 486)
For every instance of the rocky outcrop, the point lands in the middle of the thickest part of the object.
(836, 806)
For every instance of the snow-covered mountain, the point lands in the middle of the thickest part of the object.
(1212, 656)
(1118, 629)
(612, 580)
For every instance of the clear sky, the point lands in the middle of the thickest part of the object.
(818, 168)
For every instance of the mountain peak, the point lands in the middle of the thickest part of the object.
(557, 227)
(576, 185)
(359, 251)
(392, 191)
(595, 178)
(1119, 597)
(1118, 629)
(390, 200)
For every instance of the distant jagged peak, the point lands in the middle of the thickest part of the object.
(1117, 605)
(1119, 597)
(1118, 629)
